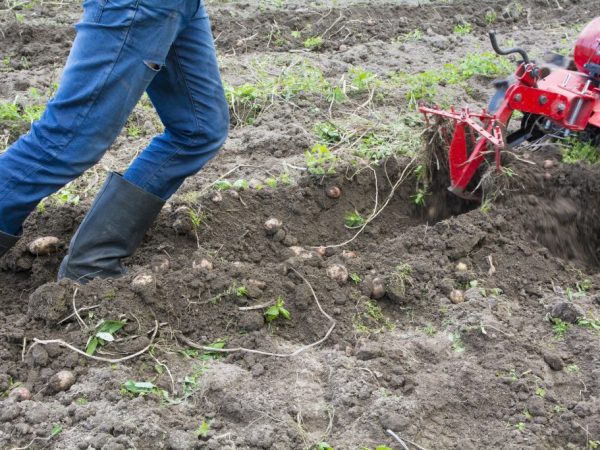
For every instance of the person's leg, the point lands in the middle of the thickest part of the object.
(188, 96)
(118, 47)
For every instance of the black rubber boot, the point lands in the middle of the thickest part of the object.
(113, 229)
(6, 242)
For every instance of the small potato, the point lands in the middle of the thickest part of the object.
(62, 381)
(273, 225)
(378, 290)
(338, 273)
(203, 264)
(44, 246)
(349, 255)
(20, 394)
(160, 264)
(461, 267)
(300, 252)
(333, 192)
(548, 164)
(143, 280)
(144, 284)
(457, 296)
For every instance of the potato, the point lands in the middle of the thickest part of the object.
(273, 225)
(20, 394)
(333, 192)
(338, 273)
(457, 296)
(44, 246)
(461, 267)
(378, 288)
(204, 264)
(62, 381)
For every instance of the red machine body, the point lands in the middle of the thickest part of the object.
(586, 48)
(566, 99)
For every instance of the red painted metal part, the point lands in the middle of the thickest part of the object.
(569, 99)
(587, 45)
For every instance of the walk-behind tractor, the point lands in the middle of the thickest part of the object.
(556, 99)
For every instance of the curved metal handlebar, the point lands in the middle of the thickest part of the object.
(498, 50)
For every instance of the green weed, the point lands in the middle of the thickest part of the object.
(202, 429)
(572, 368)
(491, 17)
(362, 80)
(323, 446)
(429, 330)
(328, 132)
(540, 392)
(354, 220)
(457, 343)
(66, 197)
(371, 320)
(313, 43)
(560, 327)
(320, 160)
(420, 196)
(103, 334)
(414, 35)
(422, 86)
(463, 28)
(592, 324)
(276, 311)
(577, 150)
(196, 218)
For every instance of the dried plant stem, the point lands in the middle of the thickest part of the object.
(264, 353)
(96, 358)
(376, 212)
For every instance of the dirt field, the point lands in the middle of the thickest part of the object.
(455, 325)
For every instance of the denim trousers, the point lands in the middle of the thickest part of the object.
(122, 49)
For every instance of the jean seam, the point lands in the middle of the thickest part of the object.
(187, 86)
(153, 176)
(148, 182)
(4, 193)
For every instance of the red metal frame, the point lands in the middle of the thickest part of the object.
(569, 99)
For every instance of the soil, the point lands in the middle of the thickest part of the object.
(445, 314)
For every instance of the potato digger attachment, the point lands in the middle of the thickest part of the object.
(557, 99)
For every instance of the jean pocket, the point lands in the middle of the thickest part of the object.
(110, 12)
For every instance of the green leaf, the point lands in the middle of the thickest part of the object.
(139, 387)
(105, 336)
(272, 313)
(285, 313)
(217, 344)
(56, 430)
(203, 429)
(240, 185)
(324, 446)
(111, 326)
(91, 347)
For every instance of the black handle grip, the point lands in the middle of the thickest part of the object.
(498, 50)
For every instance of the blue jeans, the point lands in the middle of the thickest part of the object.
(123, 48)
